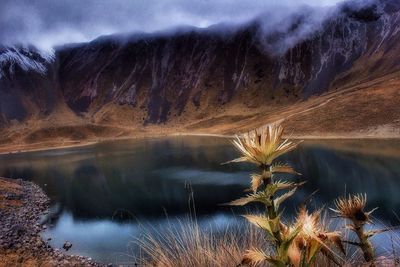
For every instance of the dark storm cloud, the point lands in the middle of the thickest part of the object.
(46, 23)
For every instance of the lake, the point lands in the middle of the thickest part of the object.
(103, 195)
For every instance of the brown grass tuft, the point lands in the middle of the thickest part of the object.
(186, 244)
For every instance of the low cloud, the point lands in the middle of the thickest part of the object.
(46, 23)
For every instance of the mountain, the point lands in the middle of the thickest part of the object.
(340, 77)
(22, 71)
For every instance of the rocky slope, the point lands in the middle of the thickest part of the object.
(26, 83)
(177, 79)
(22, 204)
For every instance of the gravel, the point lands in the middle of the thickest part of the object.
(20, 228)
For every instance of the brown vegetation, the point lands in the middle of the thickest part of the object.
(367, 109)
(307, 241)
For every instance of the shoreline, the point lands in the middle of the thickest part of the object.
(22, 205)
(77, 144)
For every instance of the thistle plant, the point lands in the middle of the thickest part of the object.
(281, 258)
(313, 238)
(352, 208)
(301, 242)
(262, 147)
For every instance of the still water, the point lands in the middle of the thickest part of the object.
(102, 195)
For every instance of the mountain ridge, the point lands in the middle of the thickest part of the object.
(174, 80)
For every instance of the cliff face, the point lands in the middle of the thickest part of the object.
(26, 83)
(157, 78)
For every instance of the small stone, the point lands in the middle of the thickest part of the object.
(67, 245)
(52, 263)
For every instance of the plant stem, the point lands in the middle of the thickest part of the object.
(365, 244)
(271, 211)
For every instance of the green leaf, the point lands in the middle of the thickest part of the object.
(255, 197)
(275, 223)
(314, 248)
(284, 247)
(284, 185)
(262, 222)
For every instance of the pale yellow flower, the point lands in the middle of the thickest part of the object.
(262, 146)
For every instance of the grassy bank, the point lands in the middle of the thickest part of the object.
(188, 244)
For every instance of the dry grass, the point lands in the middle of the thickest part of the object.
(187, 244)
(8, 186)
(331, 115)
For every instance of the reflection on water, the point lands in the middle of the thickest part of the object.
(99, 192)
(111, 242)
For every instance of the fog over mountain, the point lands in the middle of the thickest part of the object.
(46, 23)
(104, 69)
(124, 112)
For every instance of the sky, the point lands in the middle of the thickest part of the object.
(46, 23)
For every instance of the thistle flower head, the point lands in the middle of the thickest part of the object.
(263, 145)
(352, 208)
(312, 238)
(310, 226)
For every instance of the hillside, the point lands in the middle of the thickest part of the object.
(340, 81)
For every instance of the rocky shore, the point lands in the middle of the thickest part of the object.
(22, 204)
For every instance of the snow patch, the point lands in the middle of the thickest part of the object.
(24, 58)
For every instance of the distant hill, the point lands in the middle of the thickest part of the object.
(218, 80)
